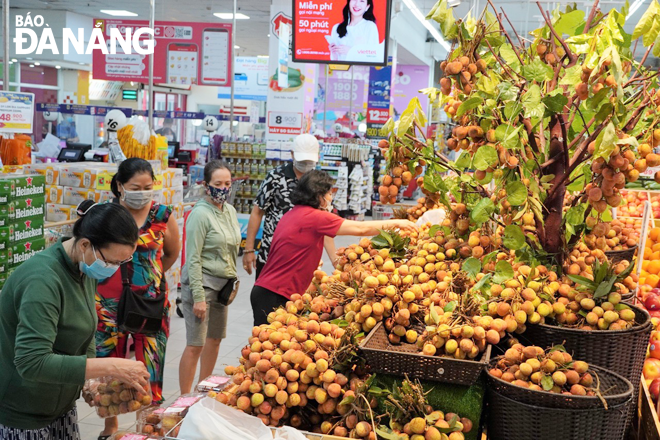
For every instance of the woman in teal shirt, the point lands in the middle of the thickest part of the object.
(47, 325)
(212, 240)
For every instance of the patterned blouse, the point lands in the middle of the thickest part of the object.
(274, 197)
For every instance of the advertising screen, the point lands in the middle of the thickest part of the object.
(341, 31)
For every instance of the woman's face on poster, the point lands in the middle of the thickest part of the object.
(358, 7)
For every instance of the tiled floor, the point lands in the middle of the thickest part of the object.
(238, 330)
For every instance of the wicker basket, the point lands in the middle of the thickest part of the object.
(616, 256)
(621, 351)
(512, 420)
(398, 360)
(617, 390)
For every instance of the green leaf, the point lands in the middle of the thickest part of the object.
(379, 242)
(387, 434)
(482, 282)
(434, 315)
(572, 76)
(509, 56)
(547, 383)
(516, 193)
(508, 92)
(586, 282)
(387, 236)
(450, 306)
(649, 37)
(555, 104)
(606, 142)
(531, 102)
(472, 266)
(558, 347)
(489, 257)
(482, 211)
(503, 272)
(463, 162)
(604, 288)
(514, 238)
(569, 23)
(537, 71)
(433, 230)
(485, 157)
(575, 215)
(347, 400)
(512, 109)
(645, 23)
(405, 123)
(468, 105)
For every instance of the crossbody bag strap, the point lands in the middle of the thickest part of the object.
(124, 275)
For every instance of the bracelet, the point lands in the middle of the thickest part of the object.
(249, 252)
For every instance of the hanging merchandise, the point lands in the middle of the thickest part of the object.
(136, 140)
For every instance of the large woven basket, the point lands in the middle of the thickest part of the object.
(402, 359)
(512, 420)
(625, 255)
(616, 390)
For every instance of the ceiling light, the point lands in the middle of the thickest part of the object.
(11, 62)
(14, 59)
(422, 19)
(634, 7)
(235, 123)
(31, 65)
(119, 13)
(37, 63)
(82, 64)
(58, 67)
(28, 58)
(453, 3)
(197, 122)
(237, 47)
(230, 16)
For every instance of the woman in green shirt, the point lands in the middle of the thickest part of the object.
(47, 325)
(213, 237)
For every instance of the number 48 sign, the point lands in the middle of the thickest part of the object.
(16, 112)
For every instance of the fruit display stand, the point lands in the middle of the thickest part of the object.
(649, 424)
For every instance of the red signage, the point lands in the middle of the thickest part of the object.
(341, 31)
(185, 53)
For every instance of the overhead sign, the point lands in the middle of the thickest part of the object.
(341, 31)
(250, 80)
(185, 53)
(16, 112)
(378, 102)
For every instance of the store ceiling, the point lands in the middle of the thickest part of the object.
(252, 34)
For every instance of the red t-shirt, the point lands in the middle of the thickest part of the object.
(296, 249)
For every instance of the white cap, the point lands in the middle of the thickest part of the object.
(305, 147)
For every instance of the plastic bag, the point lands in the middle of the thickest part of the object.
(434, 216)
(149, 421)
(112, 397)
(211, 420)
(176, 412)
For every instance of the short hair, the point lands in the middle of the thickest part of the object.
(311, 187)
(212, 167)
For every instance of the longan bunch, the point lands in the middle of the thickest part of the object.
(460, 75)
(603, 78)
(553, 371)
(392, 183)
(424, 204)
(610, 177)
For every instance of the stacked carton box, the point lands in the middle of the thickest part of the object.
(22, 205)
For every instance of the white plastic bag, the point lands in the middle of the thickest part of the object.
(211, 420)
(434, 216)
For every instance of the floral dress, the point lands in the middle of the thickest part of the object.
(146, 274)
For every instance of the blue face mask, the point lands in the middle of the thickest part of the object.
(99, 269)
(219, 195)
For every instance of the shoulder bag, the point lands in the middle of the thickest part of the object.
(137, 313)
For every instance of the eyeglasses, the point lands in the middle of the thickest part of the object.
(109, 263)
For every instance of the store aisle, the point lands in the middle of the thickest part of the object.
(238, 331)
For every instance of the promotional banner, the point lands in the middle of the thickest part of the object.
(378, 102)
(16, 112)
(408, 81)
(341, 31)
(250, 80)
(185, 53)
(286, 112)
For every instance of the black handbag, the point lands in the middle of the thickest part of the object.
(137, 313)
(228, 292)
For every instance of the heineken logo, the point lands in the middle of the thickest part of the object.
(28, 224)
(24, 256)
(29, 212)
(28, 202)
(28, 245)
(29, 191)
(30, 233)
(29, 181)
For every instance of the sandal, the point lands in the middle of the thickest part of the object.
(104, 437)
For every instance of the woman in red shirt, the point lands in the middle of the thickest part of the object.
(297, 244)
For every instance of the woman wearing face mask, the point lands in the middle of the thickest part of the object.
(298, 243)
(213, 237)
(47, 323)
(157, 250)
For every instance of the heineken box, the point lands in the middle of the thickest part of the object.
(18, 187)
(21, 209)
(19, 230)
(24, 250)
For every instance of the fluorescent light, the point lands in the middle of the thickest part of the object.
(82, 64)
(37, 63)
(28, 58)
(31, 65)
(230, 16)
(422, 19)
(119, 13)
(58, 67)
(14, 59)
(634, 7)
(237, 47)
(197, 122)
